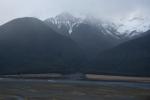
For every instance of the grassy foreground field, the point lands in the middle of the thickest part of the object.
(11, 89)
(118, 78)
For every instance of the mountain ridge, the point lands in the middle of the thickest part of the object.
(129, 58)
(28, 45)
(128, 27)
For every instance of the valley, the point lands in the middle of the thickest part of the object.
(74, 50)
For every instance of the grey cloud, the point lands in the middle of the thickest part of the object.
(10, 9)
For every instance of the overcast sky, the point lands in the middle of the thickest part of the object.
(10, 9)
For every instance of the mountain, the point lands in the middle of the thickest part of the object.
(129, 58)
(63, 23)
(92, 35)
(67, 44)
(28, 45)
(133, 25)
(129, 26)
(92, 40)
(119, 47)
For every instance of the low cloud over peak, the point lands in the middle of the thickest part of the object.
(109, 9)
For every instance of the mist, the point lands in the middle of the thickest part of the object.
(42, 9)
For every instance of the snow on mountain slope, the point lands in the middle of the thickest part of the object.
(130, 26)
(134, 24)
(70, 22)
(65, 19)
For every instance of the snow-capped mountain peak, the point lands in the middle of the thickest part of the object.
(65, 19)
(133, 24)
(130, 26)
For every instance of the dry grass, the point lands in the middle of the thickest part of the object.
(43, 90)
(117, 78)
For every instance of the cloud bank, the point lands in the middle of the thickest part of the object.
(111, 9)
